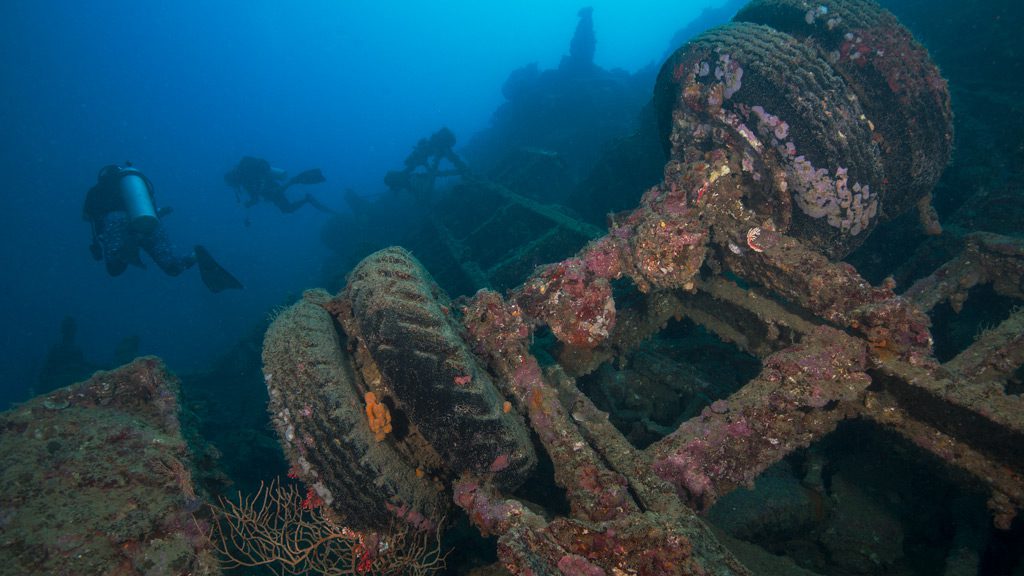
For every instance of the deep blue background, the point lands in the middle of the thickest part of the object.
(184, 89)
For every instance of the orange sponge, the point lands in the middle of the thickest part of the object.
(378, 415)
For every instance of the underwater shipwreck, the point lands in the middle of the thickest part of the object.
(788, 136)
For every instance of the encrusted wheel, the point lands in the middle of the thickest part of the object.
(317, 406)
(379, 403)
(900, 88)
(427, 374)
(804, 148)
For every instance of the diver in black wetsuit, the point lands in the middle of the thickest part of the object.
(260, 180)
(423, 166)
(124, 219)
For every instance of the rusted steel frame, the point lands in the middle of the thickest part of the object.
(661, 245)
(973, 380)
(986, 258)
(651, 493)
(492, 221)
(757, 324)
(554, 215)
(747, 317)
(970, 385)
(968, 423)
(457, 252)
(640, 543)
(523, 251)
(497, 332)
(633, 325)
(801, 394)
(995, 355)
(836, 293)
(983, 422)
(1006, 483)
(608, 528)
(982, 416)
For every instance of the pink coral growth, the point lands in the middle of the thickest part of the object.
(490, 515)
(493, 324)
(576, 305)
(684, 470)
(731, 73)
(526, 376)
(740, 428)
(769, 124)
(500, 463)
(413, 517)
(573, 565)
(602, 258)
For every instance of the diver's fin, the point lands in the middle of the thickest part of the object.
(319, 205)
(312, 176)
(214, 275)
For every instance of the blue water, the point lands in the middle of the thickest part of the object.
(184, 89)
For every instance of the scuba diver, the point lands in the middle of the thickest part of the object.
(423, 166)
(124, 218)
(262, 181)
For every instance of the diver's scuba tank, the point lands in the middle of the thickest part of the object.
(278, 173)
(137, 195)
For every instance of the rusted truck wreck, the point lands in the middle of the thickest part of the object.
(792, 132)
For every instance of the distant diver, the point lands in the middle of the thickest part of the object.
(423, 166)
(122, 210)
(260, 180)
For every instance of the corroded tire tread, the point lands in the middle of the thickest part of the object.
(319, 416)
(791, 80)
(402, 319)
(915, 123)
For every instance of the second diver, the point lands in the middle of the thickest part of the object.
(122, 211)
(261, 181)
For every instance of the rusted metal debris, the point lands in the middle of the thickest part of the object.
(815, 376)
(833, 347)
(762, 188)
